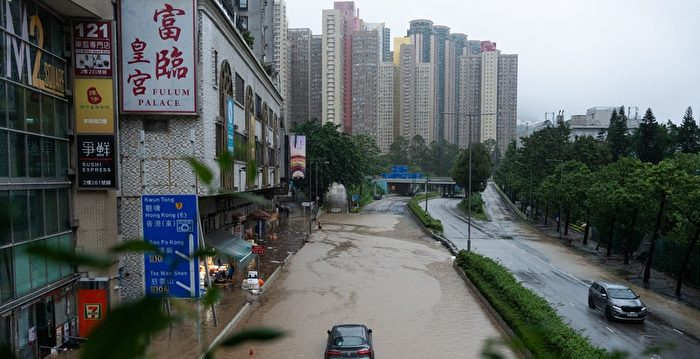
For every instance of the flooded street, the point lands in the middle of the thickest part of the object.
(376, 269)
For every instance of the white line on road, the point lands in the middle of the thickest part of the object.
(572, 304)
(611, 331)
(678, 331)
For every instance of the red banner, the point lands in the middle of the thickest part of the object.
(92, 308)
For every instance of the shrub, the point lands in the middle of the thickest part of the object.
(428, 221)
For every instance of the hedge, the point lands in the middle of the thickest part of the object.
(530, 317)
(428, 221)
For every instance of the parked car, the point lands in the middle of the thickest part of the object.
(377, 196)
(617, 301)
(349, 341)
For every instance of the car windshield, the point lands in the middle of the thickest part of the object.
(348, 341)
(621, 293)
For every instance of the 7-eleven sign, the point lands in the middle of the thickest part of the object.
(93, 311)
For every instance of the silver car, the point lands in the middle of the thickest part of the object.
(617, 301)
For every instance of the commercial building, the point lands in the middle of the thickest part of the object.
(42, 201)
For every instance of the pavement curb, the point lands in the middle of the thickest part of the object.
(523, 353)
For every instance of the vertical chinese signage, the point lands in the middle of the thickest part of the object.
(229, 124)
(297, 154)
(170, 224)
(158, 69)
(93, 97)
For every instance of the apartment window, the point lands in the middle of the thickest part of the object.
(243, 4)
(239, 91)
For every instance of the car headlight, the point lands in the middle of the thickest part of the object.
(644, 309)
(617, 308)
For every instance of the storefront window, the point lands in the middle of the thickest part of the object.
(48, 157)
(5, 332)
(32, 113)
(36, 213)
(18, 149)
(60, 118)
(34, 155)
(62, 158)
(50, 211)
(20, 219)
(3, 98)
(15, 106)
(25, 326)
(5, 219)
(5, 277)
(38, 266)
(66, 244)
(63, 210)
(47, 116)
(53, 268)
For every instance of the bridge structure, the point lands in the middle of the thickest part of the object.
(409, 186)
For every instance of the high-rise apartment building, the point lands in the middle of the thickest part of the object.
(407, 85)
(384, 39)
(365, 84)
(398, 41)
(507, 100)
(315, 94)
(467, 122)
(441, 48)
(333, 59)
(386, 108)
(299, 100)
(421, 34)
(416, 96)
(489, 95)
(351, 24)
(280, 51)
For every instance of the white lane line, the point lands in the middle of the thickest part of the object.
(611, 331)
(678, 331)
(572, 304)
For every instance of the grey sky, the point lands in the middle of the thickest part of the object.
(572, 54)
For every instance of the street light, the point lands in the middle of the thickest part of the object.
(469, 181)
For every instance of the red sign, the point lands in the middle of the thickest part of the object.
(93, 48)
(92, 305)
(258, 249)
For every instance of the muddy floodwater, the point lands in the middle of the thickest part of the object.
(380, 270)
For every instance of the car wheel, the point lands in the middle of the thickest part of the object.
(608, 313)
(590, 303)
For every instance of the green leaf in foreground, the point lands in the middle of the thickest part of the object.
(203, 253)
(70, 257)
(137, 246)
(254, 334)
(127, 331)
(225, 160)
(203, 172)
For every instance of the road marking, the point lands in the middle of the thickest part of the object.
(678, 331)
(572, 304)
(611, 331)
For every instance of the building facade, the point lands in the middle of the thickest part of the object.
(332, 67)
(507, 100)
(315, 75)
(386, 108)
(351, 24)
(300, 89)
(489, 96)
(365, 73)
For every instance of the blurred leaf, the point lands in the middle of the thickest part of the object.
(212, 296)
(251, 197)
(251, 171)
(201, 253)
(5, 352)
(254, 334)
(127, 331)
(70, 257)
(202, 171)
(138, 246)
(225, 161)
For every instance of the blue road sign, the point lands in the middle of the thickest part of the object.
(170, 224)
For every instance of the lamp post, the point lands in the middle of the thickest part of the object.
(427, 179)
(469, 180)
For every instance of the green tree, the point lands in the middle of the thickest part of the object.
(441, 158)
(650, 143)
(618, 138)
(688, 140)
(418, 152)
(591, 152)
(398, 152)
(481, 168)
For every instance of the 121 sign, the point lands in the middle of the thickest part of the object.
(93, 48)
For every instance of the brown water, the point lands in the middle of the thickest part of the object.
(379, 270)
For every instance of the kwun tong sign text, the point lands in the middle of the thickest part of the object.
(157, 58)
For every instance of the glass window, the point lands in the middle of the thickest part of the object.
(53, 268)
(25, 320)
(66, 244)
(18, 163)
(4, 155)
(240, 88)
(15, 106)
(48, 156)
(5, 277)
(5, 218)
(61, 118)
(32, 113)
(62, 158)
(3, 99)
(50, 211)
(63, 210)
(20, 220)
(38, 266)
(22, 270)
(47, 115)
(36, 213)
(5, 329)
(34, 155)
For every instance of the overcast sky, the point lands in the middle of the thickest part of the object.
(572, 54)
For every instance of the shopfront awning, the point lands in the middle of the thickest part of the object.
(230, 245)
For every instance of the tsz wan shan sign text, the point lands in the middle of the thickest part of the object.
(158, 57)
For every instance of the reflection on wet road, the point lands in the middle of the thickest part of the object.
(562, 277)
(381, 270)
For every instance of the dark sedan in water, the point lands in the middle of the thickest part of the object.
(349, 341)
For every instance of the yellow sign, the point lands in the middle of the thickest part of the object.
(94, 105)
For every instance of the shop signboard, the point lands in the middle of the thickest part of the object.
(96, 163)
(258, 249)
(94, 106)
(297, 154)
(229, 124)
(93, 48)
(158, 57)
(170, 224)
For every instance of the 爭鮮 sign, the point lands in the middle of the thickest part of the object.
(97, 168)
(158, 57)
(170, 224)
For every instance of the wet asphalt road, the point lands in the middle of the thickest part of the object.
(378, 269)
(562, 277)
